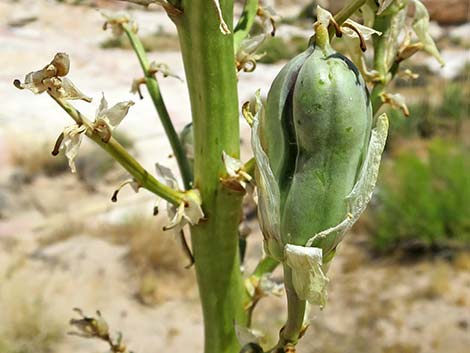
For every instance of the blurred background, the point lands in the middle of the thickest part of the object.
(400, 282)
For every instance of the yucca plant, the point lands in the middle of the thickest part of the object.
(317, 148)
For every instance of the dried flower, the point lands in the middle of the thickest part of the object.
(51, 78)
(106, 121)
(187, 212)
(237, 178)
(89, 327)
(396, 101)
(116, 21)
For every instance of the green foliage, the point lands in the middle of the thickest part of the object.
(424, 201)
(427, 119)
(455, 104)
(464, 73)
(420, 123)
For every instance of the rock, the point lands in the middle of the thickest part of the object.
(448, 12)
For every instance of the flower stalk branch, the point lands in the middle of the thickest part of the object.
(157, 99)
(120, 154)
(245, 22)
(348, 10)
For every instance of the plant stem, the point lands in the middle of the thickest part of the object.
(157, 99)
(344, 14)
(381, 44)
(212, 83)
(247, 18)
(375, 98)
(291, 331)
(348, 10)
(120, 154)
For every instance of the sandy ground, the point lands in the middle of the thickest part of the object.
(375, 305)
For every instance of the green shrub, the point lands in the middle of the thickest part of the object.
(278, 48)
(464, 73)
(427, 120)
(424, 201)
(421, 123)
(455, 103)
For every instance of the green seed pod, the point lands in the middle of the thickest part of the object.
(317, 160)
(332, 118)
(315, 133)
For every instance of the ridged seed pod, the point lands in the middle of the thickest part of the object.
(315, 132)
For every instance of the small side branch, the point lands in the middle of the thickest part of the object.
(245, 22)
(157, 99)
(348, 10)
(120, 154)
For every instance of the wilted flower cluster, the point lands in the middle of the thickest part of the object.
(52, 79)
(106, 120)
(97, 327)
(116, 21)
(406, 34)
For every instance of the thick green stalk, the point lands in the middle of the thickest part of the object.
(211, 78)
(120, 154)
(157, 99)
